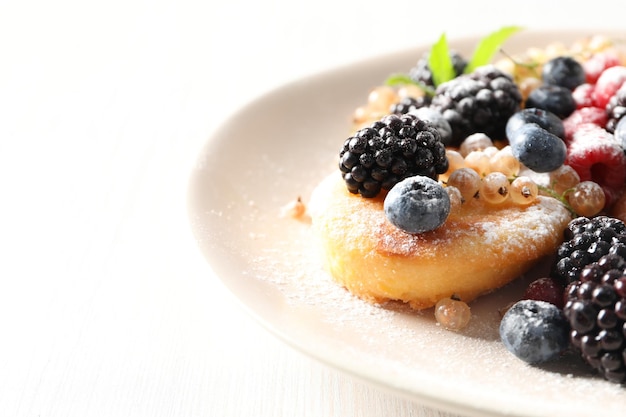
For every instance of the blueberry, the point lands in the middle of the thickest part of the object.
(553, 98)
(435, 117)
(620, 132)
(538, 149)
(545, 119)
(534, 331)
(563, 71)
(417, 204)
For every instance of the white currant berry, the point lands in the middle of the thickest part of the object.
(452, 314)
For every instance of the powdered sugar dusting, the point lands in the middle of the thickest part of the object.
(405, 343)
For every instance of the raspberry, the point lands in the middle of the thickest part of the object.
(597, 63)
(583, 95)
(391, 149)
(593, 115)
(481, 101)
(607, 85)
(596, 156)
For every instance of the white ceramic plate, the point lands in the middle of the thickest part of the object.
(276, 149)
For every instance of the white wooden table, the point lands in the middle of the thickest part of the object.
(107, 308)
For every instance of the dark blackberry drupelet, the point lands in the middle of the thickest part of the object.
(592, 260)
(615, 109)
(596, 311)
(421, 72)
(481, 101)
(408, 104)
(395, 147)
(586, 241)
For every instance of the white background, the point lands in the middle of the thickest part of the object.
(106, 306)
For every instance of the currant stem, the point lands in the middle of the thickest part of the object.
(560, 197)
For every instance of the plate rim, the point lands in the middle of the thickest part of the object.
(429, 399)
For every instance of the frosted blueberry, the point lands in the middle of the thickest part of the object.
(534, 331)
(538, 149)
(553, 98)
(545, 119)
(417, 204)
(563, 71)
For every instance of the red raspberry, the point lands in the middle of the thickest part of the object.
(597, 63)
(596, 156)
(607, 85)
(583, 95)
(594, 115)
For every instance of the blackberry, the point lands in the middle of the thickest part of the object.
(408, 104)
(595, 306)
(596, 312)
(586, 241)
(481, 101)
(422, 74)
(391, 149)
(615, 109)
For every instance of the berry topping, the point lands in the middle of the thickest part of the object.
(597, 63)
(583, 95)
(545, 119)
(534, 331)
(545, 289)
(596, 156)
(586, 198)
(421, 73)
(523, 190)
(596, 311)
(391, 149)
(553, 98)
(538, 149)
(437, 120)
(616, 108)
(417, 204)
(594, 115)
(586, 241)
(563, 71)
(620, 132)
(494, 188)
(409, 104)
(452, 314)
(607, 85)
(481, 101)
(467, 181)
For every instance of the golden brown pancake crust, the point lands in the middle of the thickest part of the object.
(475, 252)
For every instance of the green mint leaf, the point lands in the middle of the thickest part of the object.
(440, 62)
(488, 46)
(398, 79)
